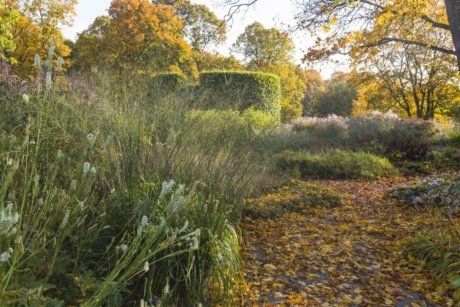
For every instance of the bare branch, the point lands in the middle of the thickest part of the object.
(435, 23)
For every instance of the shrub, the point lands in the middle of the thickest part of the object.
(439, 251)
(380, 133)
(336, 165)
(241, 91)
(293, 198)
(336, 99)
(387, 134)
(166, 83)
(439, 190)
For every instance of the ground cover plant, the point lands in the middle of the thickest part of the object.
(294, 197)
(335, 164)
(442, 190)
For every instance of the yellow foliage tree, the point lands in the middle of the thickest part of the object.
(137, 36)
(37, 29)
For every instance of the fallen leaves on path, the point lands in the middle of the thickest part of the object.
(347, 255)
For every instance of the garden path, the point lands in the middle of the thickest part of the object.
(345, 256)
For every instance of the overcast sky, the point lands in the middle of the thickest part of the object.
(271, 13)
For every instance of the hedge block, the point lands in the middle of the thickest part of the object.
(166, 83)
(241, 90)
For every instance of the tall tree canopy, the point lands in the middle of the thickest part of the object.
(262, 47)
(36, 29)
(363, 23)
(335, 96)
(271, 50)
(137, 36)
(414, 81)
(8, 19)
(202, 27)
(360, 24)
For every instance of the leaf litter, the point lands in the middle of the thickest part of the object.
(350, 255)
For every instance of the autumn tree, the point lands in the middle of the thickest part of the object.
(415, 81)
(202, 27)
(207, 61)
(314, 84)
(348, 25)
(271, 50)
(8, 19)
(137, 36)
(363, 23)
(37, 29)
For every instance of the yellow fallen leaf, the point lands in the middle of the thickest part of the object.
(269, 267)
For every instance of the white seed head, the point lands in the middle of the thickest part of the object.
(25, 97)
(123, 248)
(90, 138)
(81, 204)
(5, 256)
(73, 185)
(86, 168)
(146, 267)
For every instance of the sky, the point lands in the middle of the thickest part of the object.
(271, 13)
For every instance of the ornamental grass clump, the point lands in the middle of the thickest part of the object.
(438, 250)
(107, 199)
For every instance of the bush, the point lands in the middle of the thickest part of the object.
(293, 198)
(241, 91)
(336, 165)
(389, 135)
(166, 83)
(382, 134)
(442, 190)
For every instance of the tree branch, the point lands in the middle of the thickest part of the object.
(435, 23)
(387, 40)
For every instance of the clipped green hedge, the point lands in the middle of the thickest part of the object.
(166, 83)
(241, 90)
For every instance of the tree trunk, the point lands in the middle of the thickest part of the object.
(453, 14)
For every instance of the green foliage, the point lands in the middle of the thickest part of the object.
(210, 61)
(337, 98)
(166, 83)
(336, 165)
(264, 47)
(223, 128)
(8, 19)
(294, 198)
(241, 90)
(292, 89)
